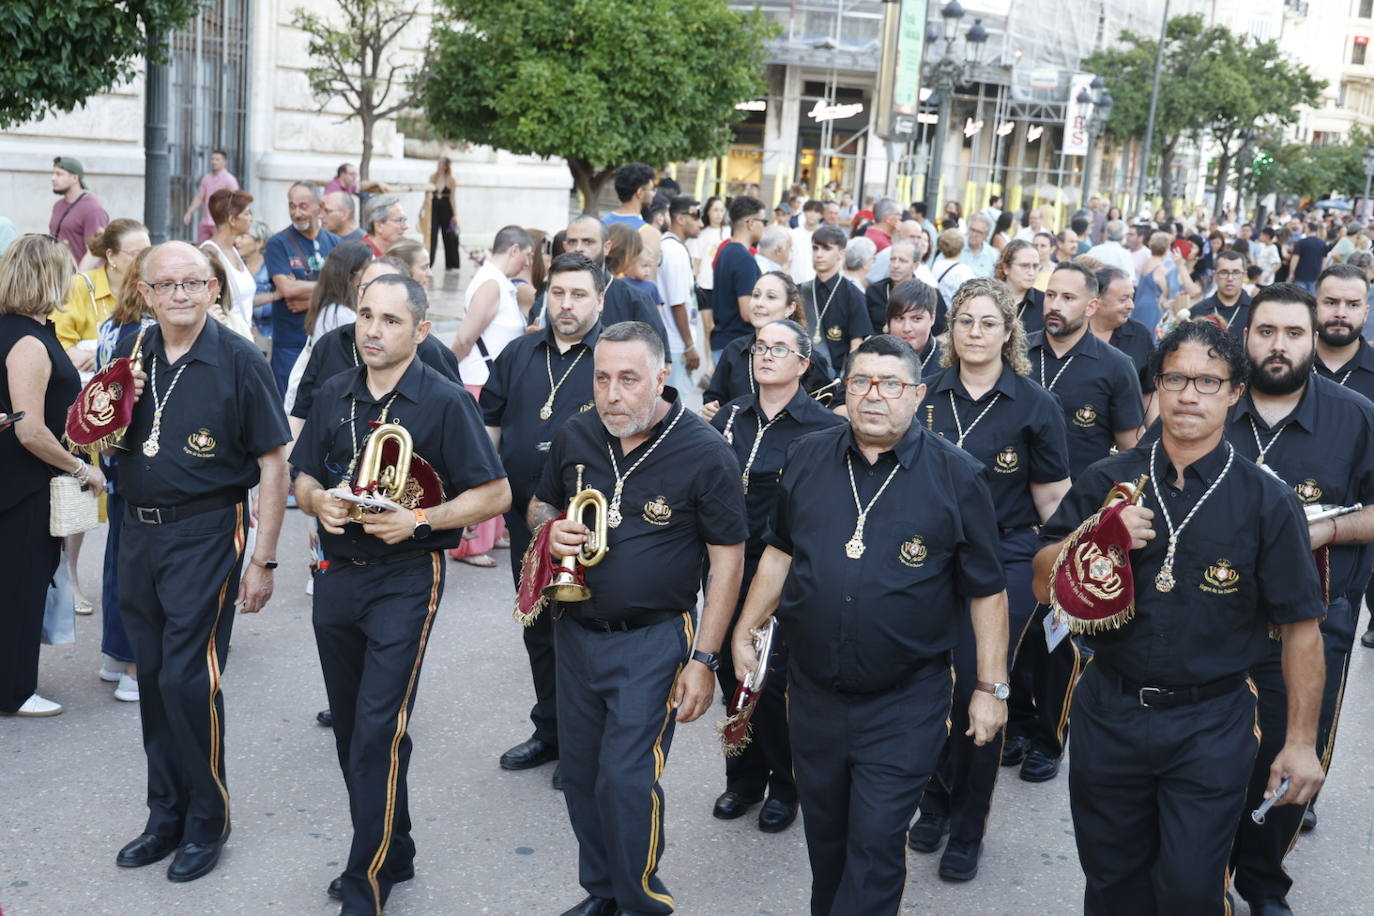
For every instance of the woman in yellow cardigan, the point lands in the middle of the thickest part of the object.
(90, 300)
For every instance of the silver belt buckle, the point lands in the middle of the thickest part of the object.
(1151, 690)
(149, 516)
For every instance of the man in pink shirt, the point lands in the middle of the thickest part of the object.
(217, 179)
(78, 214)
(345, 179)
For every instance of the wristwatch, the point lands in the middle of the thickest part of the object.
(265, 564)
(999, 690)
(422, 526)
(709, 659)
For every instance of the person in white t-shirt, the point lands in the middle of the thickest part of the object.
(675, 284)
(800, 266)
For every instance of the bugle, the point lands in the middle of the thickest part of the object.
(568, 583)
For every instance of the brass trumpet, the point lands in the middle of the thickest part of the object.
(379, 477)
(567, 584)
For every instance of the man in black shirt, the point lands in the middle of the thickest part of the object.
(1309, 253)
(835, 309)
(208, 428)
(587, 236)
(1314, 436)
(868, 681)
(625, 657)
(1230, 303)
(1164, 721)
(377, 591)
(1113, 324)
(538, 383)
(901, 267)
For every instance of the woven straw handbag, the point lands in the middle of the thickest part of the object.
(74, 508)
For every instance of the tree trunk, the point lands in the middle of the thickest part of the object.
(1223, 172)
(588, 181)
(365, 165)
(1166, 177)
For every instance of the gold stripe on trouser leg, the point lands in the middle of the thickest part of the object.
(660, 761)
(1325, 757)
(1078, 669)
(1259, 733)
(212, 666)
(402, 715)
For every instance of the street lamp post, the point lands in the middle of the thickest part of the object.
(1248, 138)
(1368, 174)
(946, 73)
(1101, 101)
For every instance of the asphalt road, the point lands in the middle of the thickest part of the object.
(71, 793)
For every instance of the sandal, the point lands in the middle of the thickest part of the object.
(502, 543)
(481, 561)
(85, 608)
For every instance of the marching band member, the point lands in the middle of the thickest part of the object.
(911, 310)
(1207, 557)
(985, 403)
(208, 427)
(870, 679)
(626, 659)
(760, 427)
(376, 596)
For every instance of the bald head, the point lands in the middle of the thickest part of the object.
(179, 286)
(175, 254)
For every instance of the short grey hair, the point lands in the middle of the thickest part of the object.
(775, 237)
(980, 218)
(623, 331)
(1361, 259)
(375, 211)
(915, 254)
(346, 200)
(858, 252)
(1116, 230)
(314, 189)
(884, 208)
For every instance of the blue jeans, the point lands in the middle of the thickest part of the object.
(1309, 285)
(114, 642)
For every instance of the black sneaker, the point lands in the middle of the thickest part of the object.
(960, 861)
(928, 832)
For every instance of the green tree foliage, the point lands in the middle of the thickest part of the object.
(1304, 171)
(597, 82)
(58, 54)
(353, 59)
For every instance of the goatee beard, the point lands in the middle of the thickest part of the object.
(1287, 383)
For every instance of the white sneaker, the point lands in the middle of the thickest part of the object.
(127, 689)
(111, 669)
(37, 707)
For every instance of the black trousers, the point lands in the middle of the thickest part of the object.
(538, 641)
(862, 762)
(372, 624)
(28, 558)
(967, 776)
(441, 215)
(765, 765)
(1155, 794)
(615, 728)
(1042, 684)
(1260, 850)
(177, 586)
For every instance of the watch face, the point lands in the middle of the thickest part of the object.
(1002, 691)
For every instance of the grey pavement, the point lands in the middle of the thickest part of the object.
(492, 842)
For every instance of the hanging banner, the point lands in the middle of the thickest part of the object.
(1076, 115)
(899, 84)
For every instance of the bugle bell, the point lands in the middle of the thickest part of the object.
(568, 583)
(383, 473)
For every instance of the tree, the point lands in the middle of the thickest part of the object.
(597, 82)
(57, 55)
(355, 62)
(1190, 70)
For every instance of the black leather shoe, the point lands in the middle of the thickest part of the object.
(146, 850)
(960, 861)
(777, 815)
(557, 780)
(1309, 818)
(194, 860)
(529, 754)
(1039, 766)
(1367, 640)
(325, 717)
(593, 906)
(928, 832)
(731, 805)
(335, 889)
(1270, 906)
(1014, 750)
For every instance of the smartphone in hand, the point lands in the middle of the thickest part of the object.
(8, 420)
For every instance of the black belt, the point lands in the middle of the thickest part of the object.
(388, 560)
(1153, 697)
(922, 668)
(161, 515)
(599, 625)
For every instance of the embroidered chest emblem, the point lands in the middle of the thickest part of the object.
(913, 552)
(201, 443)
(1085, 416)
(834, 333)
(1308, 491)
(1007, 460)
(1220, 578)
(658, 512)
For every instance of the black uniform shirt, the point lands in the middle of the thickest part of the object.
(740, 422)
(1357, 374)
(625, 303)
(1234, 316)
(931, 542)
(734, 374)
(1322, 451)
(876, 298)
(1242, 563)
(930, 359)
(222, 416)
(337, 350)
(1098, 390)
(516, 390)
(836, 307)
(684, 496)
(1136, 341)
(444, 425)
(1031, 311)
(1020, 438)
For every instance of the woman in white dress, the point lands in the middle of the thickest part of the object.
(233, 215)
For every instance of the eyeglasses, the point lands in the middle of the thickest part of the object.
(778, 350)
(189, 287)
(398, 220)
(965, 323)
(1026, 265)
(1229, 274)
(758, 219)
(1177, 381)
(861, 385)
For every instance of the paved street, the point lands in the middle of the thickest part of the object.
(71, 792)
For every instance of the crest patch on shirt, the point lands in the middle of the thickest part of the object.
(1007, 461)
(201, 444)
(834, 333)
(1308, 491)
(913, 552)
(1085, 416)
(1220, 578)
(658, 512)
